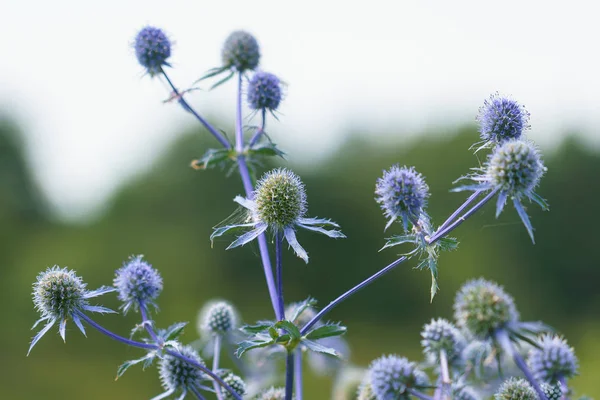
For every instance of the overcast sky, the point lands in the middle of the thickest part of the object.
(69, 75)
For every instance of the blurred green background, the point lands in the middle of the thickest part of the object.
(167, 215)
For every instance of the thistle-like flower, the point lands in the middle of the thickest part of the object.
(516, 389)
(59, 294)
(234, 381)
(177, 375)
(279, 204)
(552, 392)
(152, 49)
(514, 170)
(218, 318)
(264, 91)
(402, 193)
(391, 377)
(553, 360)
(273, 393)
(240, 51)
(440, 335)
(501, 119)
(137, 283)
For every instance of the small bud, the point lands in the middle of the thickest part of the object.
(240, 51)
(234, 381)
(516, 389)
(391, 376)
(178, 375)
(137, 282)
(402, 193)
(218, 318)
(552, 392)
(271, 394)
(502, 119)
(264, 91)
(554, 359)
(441, 335)
(482, 307)
(152, 48)
(280, 198)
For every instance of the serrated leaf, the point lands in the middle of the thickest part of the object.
(247, 345)
(213, 158)
(398, 240)
(260, 326)
(447, 243)
(173, 331)
(290, 328)
(326, 331)
(148, 358)
(314, 346)
(300, 308)
(434, 276)
(266, 149)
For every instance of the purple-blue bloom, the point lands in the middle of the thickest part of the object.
(137, 282)
(176, 375)
(516, 389)
(553, 360)
(264, 91)
(402, 193)
(218, 318)
(441, 335)
(152, 49)
(391, 376)
(235, 382)
(240, 51)
(502, 119)
(59, 294)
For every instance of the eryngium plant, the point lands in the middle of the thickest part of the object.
(470, 358)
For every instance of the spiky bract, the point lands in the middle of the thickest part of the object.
(441, 335)
(218, 317)
(391, 376)
(501, 119)
(402, 193)
(516, 389)
(264, 91)
(240, 51)
(152, 49)
(482, 307)
(137, 282)
(280, 198)
(553, 359)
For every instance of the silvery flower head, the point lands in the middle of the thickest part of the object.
(552, 392)
(514, 170)
(137, 283)
(235, 382)
(240, 51)
(59, 294)
(279, 205)
(482, 307)
(152, 49)
(177, 375)
(391, 377)
(502, 119)
(264, 91)
(272, 393)
(218, 318)
(553, 360)
(516, 389)
(440, 335)
(402, 193)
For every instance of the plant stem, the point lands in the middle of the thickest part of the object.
(239, 132)
(218, 135)
(215, 366)
(418, 394)
(197, 393)
(564, 387)
(460, 209)
(298, 373)
(349, 293)
(289, 376)
(445, 384)
(146, 321)
(279, 273)
(443, 232)
(260, 130)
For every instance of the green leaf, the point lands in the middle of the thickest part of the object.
(173, 331)
(447, 243)
(301, 307)
(260, 326)
(212, 72)
(214, 158)
(434, 276)
(326, 331)
(266, 149)
(247, 345)
(290, 328)
(147, 359)
(314, 346)
(222, 81)
(399, 239)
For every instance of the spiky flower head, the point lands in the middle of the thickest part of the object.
(264, 91)
(554, 359)
(152, 49)
(365, 391)
(482, 307)
(402, 193)
(552, 392)
(280, 198)
(137, 282)
(516, 389)
(391, 376)
(59, 294)
(234, 381)
(240, 51)
(441, 335)
(218, 318)
(501, 119)
(272, 393)
(178, 375)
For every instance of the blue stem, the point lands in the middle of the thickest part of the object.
(260, 130)
(443, 232)
(239, 132)
(215, 366)
(564, 387)
(289, 376)
(147, 322)
(197, 393)
(279, 273)
(350, 292)
(298, 373)
(460, 209)
(218, 135)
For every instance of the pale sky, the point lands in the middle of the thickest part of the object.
(69, 75)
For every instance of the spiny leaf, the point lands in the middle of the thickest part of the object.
(173, 331)
(326, 331)
(260, 326)
(244, 346)
(300, 308)
(314, 346)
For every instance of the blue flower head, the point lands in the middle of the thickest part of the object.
(391, 376)
(553, 360)
(59, 294)
(240, 51)
(234, 381)
(402, 193)
(441, 335)
(137, 282)
(218, 318)
(152, 48)
(278, 204)
(502, 119)
(514, 170)
(264, 91)
(516, 389)
(176, 375)
(482, 307)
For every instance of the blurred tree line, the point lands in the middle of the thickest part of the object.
(168, 214)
